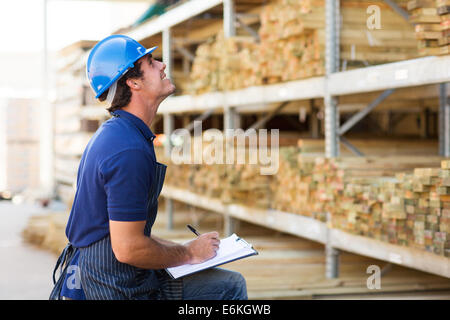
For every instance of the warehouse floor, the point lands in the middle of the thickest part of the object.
(25, 271)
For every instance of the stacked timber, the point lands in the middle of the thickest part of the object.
(292, 45)
(208, 179)
(405, 209)
(301, 25)
(178, 175)
(47, 231)
(443, 10)
(401, 199)
(246, 185)
(224, 64)
(432, 25)
(288, 49)
(292, 188)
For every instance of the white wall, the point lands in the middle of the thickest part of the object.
(3, 144)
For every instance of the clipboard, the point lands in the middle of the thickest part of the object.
(231, 249)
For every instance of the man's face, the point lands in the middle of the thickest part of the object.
(154, 80)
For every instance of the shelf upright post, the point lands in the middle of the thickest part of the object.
(231, 118)
(168, 118)
(168, 129)
(331, 66)
(167, 51)
(444, 121)
(332, 26)
(229, 18)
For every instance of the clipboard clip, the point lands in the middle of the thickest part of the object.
(240, 239)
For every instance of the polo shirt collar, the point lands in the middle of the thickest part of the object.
(143, 128)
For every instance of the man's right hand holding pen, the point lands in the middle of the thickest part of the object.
(204, 247)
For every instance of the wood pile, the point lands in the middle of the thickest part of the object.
(432, 19)
(295, 187)
(382, 198)
(402, 200)
(409, 208)
(47, 231)
(224, 64)
(292, 45)
(288, 50)
(232, 183)
(245, 184)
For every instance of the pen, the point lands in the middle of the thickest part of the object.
(193, 230)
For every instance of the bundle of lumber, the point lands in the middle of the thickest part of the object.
(383, 198)
(178, 175)
(409, 208)
(294, 188)
(240, 181)
(224, 64)
(288, 49)
(432, 19)
(209, 180)
(400, 199)
(299, 27)
(292, 45)
(244, 184)
(47, 231)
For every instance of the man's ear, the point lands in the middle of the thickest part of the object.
(133, 84)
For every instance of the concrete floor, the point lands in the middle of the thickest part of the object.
(25, 271)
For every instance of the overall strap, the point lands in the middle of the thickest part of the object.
(62, 263)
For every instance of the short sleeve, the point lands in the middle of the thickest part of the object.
(127, 179)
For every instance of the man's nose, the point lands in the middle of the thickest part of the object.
(163, 66)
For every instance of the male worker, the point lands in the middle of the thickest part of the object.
(119, 180)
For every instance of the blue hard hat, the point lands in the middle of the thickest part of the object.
(110, 59)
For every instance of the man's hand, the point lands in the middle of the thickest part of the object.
(204, 247)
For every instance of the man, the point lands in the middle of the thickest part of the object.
(118, 184)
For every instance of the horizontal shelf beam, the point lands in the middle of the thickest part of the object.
(171, 18)
(409, 73)
(317, 231)
(282, 221)
(192, 199)
(294, 90)
(416, 72)
(405, 256)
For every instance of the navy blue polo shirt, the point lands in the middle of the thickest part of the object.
(114, 178)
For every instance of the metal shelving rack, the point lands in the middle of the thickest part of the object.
(318, 231)
(387, 77)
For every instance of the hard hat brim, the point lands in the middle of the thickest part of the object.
(130, 65)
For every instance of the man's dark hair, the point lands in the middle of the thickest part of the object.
(123, 93)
